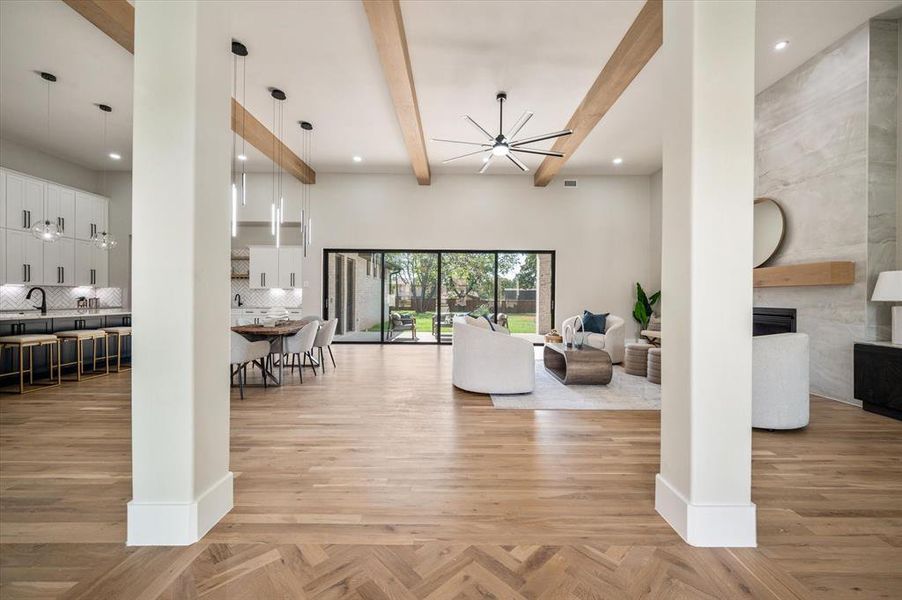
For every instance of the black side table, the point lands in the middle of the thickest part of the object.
(878, 377)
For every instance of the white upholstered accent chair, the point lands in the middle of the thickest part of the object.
(491, 362)
(324, 338)
(780, 381)
(611, 341)
(244, 352)
(300, 346)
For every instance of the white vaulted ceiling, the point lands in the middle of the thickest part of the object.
(544, 54)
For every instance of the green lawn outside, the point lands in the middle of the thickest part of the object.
(517, 323)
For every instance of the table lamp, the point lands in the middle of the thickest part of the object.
(889, 289)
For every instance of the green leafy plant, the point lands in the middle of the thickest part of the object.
(644, 307)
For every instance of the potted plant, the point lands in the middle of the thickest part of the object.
(644, 307)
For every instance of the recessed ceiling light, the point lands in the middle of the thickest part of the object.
(781, 45)
(114, 156)
(357, 159)
(242, 157)
(617, 160)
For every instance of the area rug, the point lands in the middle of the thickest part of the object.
(625, 392)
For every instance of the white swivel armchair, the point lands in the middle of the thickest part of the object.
(300, 347)
(491, 362)
(244, 352)
(780, 381)
(611, 341)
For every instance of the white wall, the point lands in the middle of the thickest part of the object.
(118, 188)
(600, 230)
(655, 199)
(25, 159)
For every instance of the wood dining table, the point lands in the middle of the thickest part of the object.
(275, 335)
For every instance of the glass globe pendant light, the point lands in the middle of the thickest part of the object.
(46, 232)
(104, 241)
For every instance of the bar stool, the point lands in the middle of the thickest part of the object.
(83, 335)
(30, 342)
(119, 332)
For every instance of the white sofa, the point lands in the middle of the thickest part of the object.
(780, 381)
(491, 362)
(611, 341)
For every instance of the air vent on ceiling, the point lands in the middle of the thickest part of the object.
(570, 183)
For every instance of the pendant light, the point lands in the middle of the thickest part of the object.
(238, 182)
(278, 202)
(104, 240)
(306, 218)
(45, 230)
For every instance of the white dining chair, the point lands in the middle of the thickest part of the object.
(316, 318)
(324, 340)
(299, 347)
(244, 352)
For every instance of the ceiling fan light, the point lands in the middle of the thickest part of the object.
(501, 149)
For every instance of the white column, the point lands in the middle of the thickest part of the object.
(704, 487)
(180, 218)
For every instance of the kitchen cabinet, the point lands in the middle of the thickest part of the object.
(59, 262)
(24, 201)
(60, 209)
(91, 265)
(3, 260)
(24, 258)
(3, 207)
(90, 215)
(264, 267)
(290, 260)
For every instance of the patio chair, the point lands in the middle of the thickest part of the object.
(399, 323)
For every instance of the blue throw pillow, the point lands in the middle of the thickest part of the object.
(593, 323)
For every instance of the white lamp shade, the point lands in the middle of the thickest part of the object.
(889, 287)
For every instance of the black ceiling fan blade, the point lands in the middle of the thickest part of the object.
(480, 128)
(463, 142)
(517, 162)
(486, 164)
(542, 152)
(524, 118)
(539, 138)
(465, 155)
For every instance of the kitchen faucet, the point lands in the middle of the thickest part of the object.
(237, 298)
(43, 305)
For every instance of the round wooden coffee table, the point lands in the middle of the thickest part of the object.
(584, 366)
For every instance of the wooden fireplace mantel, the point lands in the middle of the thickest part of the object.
(837, 272)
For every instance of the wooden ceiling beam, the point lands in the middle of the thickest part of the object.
(116, 18)
(640, 43)
(387, 26)
(257, 135)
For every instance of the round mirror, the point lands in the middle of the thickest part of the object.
(769, 229)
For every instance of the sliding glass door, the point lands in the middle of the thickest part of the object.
(413, 296)
(410, 296)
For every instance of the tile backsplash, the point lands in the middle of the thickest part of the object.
(265, 298)
(12, 297)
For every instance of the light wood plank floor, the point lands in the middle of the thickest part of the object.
(380, 480)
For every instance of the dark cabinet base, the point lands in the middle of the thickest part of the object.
(878, 378)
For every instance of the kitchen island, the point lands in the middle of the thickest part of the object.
(32, 321)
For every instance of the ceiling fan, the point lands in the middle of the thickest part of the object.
(505, 144)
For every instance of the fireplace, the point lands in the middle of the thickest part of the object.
(768, 321)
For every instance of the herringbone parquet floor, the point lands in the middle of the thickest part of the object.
(380, 480)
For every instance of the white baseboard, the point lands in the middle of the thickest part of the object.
(706, 525)
(179, 523)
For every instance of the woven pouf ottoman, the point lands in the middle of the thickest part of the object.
(635, 361)
(654, 365)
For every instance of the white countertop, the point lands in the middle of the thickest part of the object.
(30, 315)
